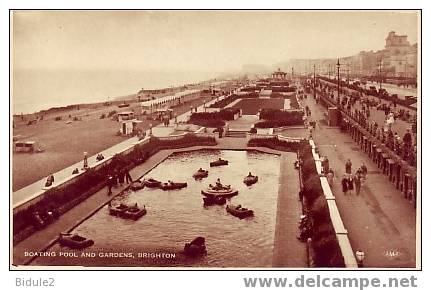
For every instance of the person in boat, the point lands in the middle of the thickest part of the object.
(249, 174)
(218, 184)
(201, 170)
(238, 207)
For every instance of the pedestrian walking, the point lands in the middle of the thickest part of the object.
(110, 183)
(325, 165)
(364, 170)
(344, 184)
(330, 177)
(357, 180)
(128, 177)
(350, 183)
(121, 175)
(349, 166)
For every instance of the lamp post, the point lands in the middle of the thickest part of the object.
(360, 257)
(338, 80)
(380, 74)
(348, 73)
(314, 81)
(85, 167)
(151, 130)
(191, 109)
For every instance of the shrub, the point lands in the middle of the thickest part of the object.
(325, 245)
(327, 252)
(275, 114)
(58, 118)
(276, 144)
(103, 116)
(312, 189)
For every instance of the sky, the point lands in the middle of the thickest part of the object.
(196, 40)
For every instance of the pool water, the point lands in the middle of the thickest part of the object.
(178, 216)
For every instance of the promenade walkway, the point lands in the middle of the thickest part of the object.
(288, 250)
(379, 220)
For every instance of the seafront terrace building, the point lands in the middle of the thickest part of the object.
(398, 59)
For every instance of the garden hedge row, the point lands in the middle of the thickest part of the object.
(327, 252)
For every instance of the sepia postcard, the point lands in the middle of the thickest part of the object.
(244, 139)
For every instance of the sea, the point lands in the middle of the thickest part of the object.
(35, 90)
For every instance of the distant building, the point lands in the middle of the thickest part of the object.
(397, 59)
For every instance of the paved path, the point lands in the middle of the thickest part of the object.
(288, 250)
(380, 221)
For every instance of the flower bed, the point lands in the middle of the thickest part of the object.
(214, 119)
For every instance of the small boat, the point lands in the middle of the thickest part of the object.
(239, 211)
(134, 213)
(196, 247)
(152, 183)
(137, 185)
(118, 210)
(220, 200)
(224, 191)
(200, 174)
(74, 241)
(172, 185)
(250, 180)
(219, 162)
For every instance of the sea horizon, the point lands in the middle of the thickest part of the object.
(33, 90)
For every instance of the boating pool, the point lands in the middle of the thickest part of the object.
(178, 216)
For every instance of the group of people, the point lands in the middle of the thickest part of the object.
(120, 176)
(358, 107)
(350, 181)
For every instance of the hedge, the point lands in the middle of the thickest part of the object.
(225, 114)
(275, 114)
(276, 144)
(327, 252)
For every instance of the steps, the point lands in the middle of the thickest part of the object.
(236, 134)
